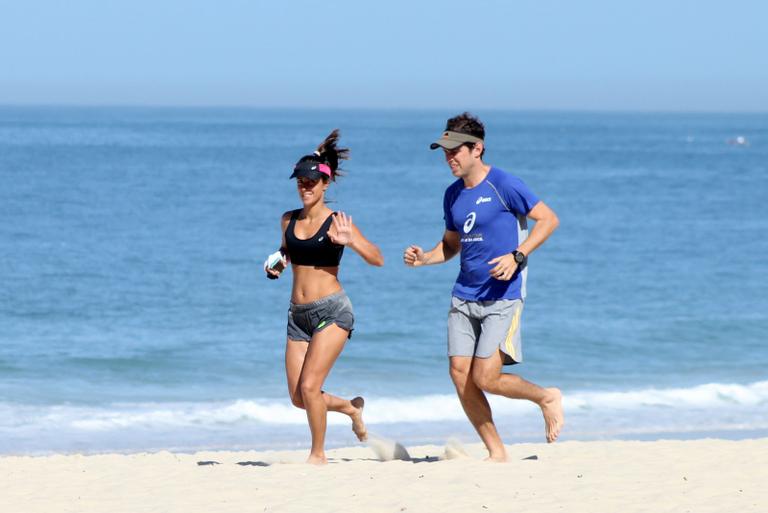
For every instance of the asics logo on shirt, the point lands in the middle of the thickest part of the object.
(482, 200)
(470, 222)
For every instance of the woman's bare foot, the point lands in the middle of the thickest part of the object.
(317, 459)
(358, 426)
(552, 408)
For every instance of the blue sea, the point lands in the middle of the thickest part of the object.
(134, 314)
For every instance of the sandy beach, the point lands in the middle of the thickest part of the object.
(680, 476)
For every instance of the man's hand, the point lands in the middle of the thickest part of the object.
(505, 267)
(414, 256)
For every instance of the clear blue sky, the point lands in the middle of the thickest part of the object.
(587, 54)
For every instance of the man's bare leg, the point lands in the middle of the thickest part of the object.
(476, 407)
(487, 375)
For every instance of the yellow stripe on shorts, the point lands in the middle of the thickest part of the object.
(511, 333)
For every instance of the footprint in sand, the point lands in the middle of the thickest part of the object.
(388, 450)
(454, 450)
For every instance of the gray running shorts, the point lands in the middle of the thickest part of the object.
(304, 320)
(480, 328)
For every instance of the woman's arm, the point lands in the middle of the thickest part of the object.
(343, 232)
(283, 225)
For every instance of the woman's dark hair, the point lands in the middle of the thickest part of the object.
(466, 123)
(328, 153)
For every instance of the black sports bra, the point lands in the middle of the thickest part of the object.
(317, 250)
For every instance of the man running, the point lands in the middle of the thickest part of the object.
(486, 212)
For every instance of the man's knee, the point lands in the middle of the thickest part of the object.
(459, 374)
(484, 380)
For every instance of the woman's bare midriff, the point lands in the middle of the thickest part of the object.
(311, 283)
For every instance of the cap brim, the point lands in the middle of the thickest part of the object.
(307, 173)
(452, 140)
(448, 145)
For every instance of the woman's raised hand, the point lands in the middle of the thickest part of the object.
(342, 229)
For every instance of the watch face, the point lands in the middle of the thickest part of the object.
(519, 258)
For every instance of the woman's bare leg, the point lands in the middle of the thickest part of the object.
(307, 366)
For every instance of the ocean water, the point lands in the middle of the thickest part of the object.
(134, 314)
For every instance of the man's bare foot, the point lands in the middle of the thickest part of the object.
(496, 451)
(358, 426)
(317, 459)
(552, 408)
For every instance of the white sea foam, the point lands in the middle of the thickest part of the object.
(742, 401)
(702, 396)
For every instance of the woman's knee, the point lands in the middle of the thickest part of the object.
(297, 400)
(309, 389)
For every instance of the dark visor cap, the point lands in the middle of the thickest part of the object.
(452, 140)
(312, 170)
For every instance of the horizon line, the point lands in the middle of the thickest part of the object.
(571, 110)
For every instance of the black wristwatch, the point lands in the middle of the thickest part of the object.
(520, 258)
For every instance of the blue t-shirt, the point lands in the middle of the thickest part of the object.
(491, 219)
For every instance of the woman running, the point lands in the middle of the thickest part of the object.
(320, 317)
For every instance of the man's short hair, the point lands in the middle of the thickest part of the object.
(466, 123)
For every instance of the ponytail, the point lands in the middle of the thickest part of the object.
(328, 153)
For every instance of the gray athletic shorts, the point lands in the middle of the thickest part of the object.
(305, 320)
(480, 328)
